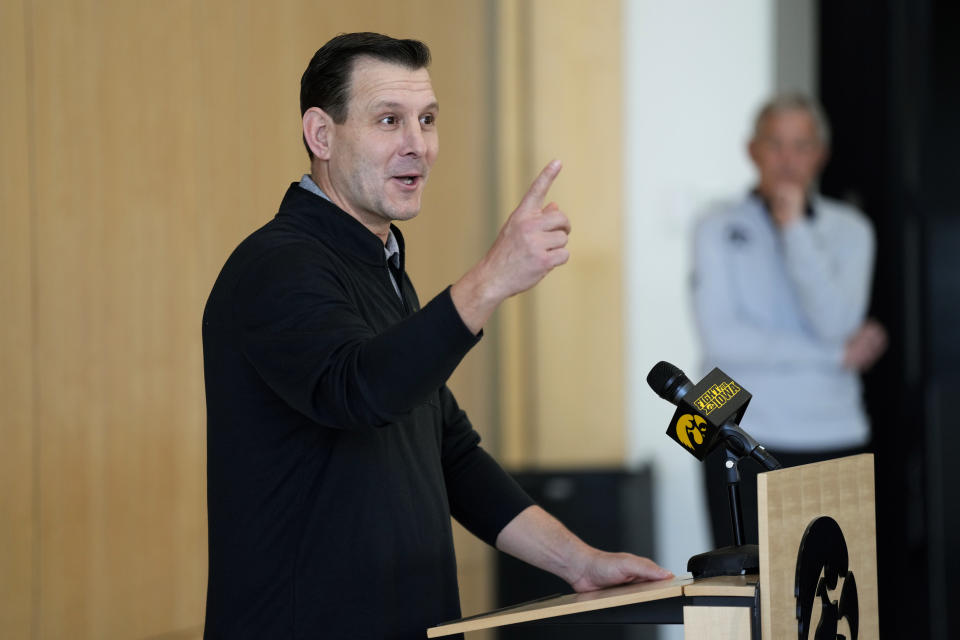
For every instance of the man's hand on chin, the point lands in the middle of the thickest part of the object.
(786, 203)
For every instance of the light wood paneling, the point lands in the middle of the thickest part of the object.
(121, 511)
(789, 500)
(512, 322)
(163, 133)
(559, 90)
(16, 339)
(714, 623)
(578, 311)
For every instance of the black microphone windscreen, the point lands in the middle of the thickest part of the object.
(664, 378)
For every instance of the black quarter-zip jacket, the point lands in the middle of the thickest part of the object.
(336, 454)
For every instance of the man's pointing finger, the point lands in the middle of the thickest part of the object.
(538, 190)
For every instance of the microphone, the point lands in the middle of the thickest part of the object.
(668, 382)
(708, 413)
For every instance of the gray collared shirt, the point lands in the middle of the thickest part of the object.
(391, 250)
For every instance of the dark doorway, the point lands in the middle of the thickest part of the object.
(890, 84)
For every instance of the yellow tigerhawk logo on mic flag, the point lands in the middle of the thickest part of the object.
(691, 425)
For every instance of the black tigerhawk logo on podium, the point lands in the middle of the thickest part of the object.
(821, 562)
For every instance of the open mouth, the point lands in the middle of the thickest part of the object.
(408, 181)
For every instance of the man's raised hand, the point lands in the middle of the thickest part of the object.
(531, 242)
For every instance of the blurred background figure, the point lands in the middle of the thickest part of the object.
(781, 289)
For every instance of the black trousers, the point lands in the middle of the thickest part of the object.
(719, 504)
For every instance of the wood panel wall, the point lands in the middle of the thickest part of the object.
(17, 438)
(561, 365)
(139, 143)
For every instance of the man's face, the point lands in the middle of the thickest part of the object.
(381, 155)
(787, 150)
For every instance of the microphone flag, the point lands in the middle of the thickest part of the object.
(700, 413)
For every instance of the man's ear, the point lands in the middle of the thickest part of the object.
(824, 157)
(317, 130)
(753, 150)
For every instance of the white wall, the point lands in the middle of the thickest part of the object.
(695, 71)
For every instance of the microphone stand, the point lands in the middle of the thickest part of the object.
(740, 558)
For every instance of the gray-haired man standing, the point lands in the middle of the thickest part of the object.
(781, 288)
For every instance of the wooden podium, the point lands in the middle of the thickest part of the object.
(818, 566)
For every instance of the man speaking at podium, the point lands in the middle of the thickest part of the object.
(336, 452)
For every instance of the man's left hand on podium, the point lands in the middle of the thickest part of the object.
(538, 538)
(603, 569)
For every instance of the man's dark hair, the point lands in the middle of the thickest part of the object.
(326, 81)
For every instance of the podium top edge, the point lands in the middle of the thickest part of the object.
(854, 459)
(568, 604)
